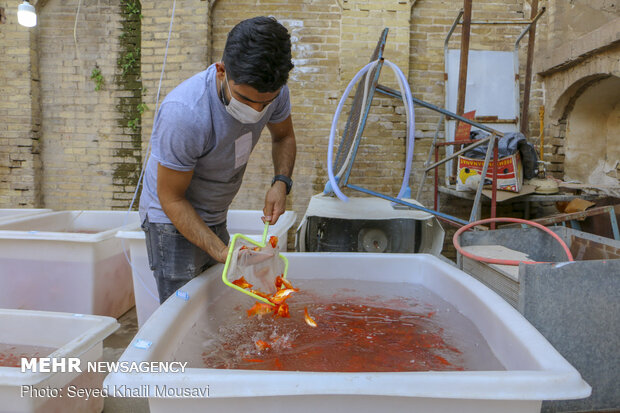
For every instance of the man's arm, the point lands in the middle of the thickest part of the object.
(171, 187)
(283, 151)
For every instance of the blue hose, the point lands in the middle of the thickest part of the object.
(408, 102)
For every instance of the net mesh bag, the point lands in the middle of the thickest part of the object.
(253, 268)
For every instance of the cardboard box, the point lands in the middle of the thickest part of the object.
(509, 173)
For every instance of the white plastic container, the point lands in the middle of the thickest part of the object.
(247, 222)
(66, 261)
(535, 371)
(11, 213)
(71, 335)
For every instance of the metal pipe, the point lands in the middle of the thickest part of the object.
(463, 59)
(456, 22)
(394, 93)
(455, 154)
(494, 182)
(500, 22)
(525, 30)
(445, 59)
(430, 156)
(436, 184)
(485, 168)
(463, 62)
(528, 70)
(541, 144)
(516, 61)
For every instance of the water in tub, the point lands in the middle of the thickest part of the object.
(361, 326)
(11, 354)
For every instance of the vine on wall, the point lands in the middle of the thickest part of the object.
(131, 106)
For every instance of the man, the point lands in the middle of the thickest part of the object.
(201, 142)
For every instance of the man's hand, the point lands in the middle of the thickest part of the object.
(275, 202)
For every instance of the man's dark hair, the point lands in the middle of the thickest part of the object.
(258, 53)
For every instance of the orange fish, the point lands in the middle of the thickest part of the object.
(260, 309)
(262, 345)
(241, 282)
(260, 293)
(282, 295)
(282, 310)
(281, 281)
(273, 240)
(309, 319)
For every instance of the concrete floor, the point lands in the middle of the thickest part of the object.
(113, 347)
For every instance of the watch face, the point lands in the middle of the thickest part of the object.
(287, 181)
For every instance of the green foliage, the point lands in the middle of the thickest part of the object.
(142, 107)
(129, 60)
(133, 123)
(97, 77)
(132, 7)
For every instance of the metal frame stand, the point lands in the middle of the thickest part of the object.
(361, 117)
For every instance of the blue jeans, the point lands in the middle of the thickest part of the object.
(173, 259)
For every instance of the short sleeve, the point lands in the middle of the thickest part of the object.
(177, 141)
(283, 106)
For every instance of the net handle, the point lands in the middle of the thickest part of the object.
(265, 233)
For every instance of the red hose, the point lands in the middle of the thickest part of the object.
(457, 245)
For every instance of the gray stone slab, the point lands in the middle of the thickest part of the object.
(576, 307)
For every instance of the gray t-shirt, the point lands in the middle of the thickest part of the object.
(193, 131)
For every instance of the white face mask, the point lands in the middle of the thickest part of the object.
(242, 112)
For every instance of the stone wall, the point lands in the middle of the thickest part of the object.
(580, 66)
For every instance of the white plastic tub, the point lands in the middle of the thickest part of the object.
(11, 213)
(70, 335)
(535, 371)
(66, 261)
(247, 222)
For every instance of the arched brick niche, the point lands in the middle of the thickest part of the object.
(585, 144)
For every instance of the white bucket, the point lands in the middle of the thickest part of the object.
(66, 261)
(71, 336)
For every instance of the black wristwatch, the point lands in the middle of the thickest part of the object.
(288, 181)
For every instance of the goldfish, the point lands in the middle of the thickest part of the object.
(282, 310)
(260, 293)
(273, 240)
(262, 345)
(260, 309)
(309, 320)
(282, 295)
(241, 282)
(281, 281)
